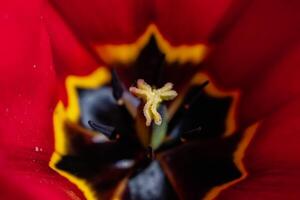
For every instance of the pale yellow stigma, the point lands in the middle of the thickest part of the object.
(153, 97)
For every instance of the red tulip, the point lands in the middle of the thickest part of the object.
(251, 47)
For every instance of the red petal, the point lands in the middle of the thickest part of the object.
(19, 187)
(189, 21)
(69, 56)
(27, 79)
(28, 96)
(263, 33)
(106, 21)
(272, 159)
(272, 89)
(68, 53)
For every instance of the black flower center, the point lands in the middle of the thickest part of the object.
(191, 155)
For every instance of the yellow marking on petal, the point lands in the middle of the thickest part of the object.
(238, 156)
(71, 113)
(127, 53)
(152, 98)
(120, 189)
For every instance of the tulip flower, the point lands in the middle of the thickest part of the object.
(149, 99)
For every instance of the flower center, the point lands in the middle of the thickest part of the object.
(108, 140)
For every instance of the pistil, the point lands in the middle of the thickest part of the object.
(152, 98)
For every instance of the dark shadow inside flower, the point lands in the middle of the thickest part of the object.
(101, 107)
(97, 162)
(150, 183)
(151, 65)
(198, 165)
(182, 158)
(202, 112)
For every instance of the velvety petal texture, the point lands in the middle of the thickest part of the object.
(189, 22)
(28, 85)
(264, 32)
(116, 21)
(272, 159)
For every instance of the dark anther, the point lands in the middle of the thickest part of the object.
(117, 86)
(108, 131)
(192, 133)
(196, 97)
(150, 153)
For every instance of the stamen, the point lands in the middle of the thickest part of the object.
(117, 87)
(152, 98)
(150, 153)
(192, 133)
(108, 131)
(122, 96)
(196, 97)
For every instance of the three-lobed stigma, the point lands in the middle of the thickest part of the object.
(152, 98)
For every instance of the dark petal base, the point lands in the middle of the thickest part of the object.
(195, 167)
(193, 160)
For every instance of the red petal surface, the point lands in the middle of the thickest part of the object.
(272, 159)
(28, 96)
(272, 89)
(189, 22)
(18, 187)
(262, 34)
(69, 55)
(258, 54)
(117, 21)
